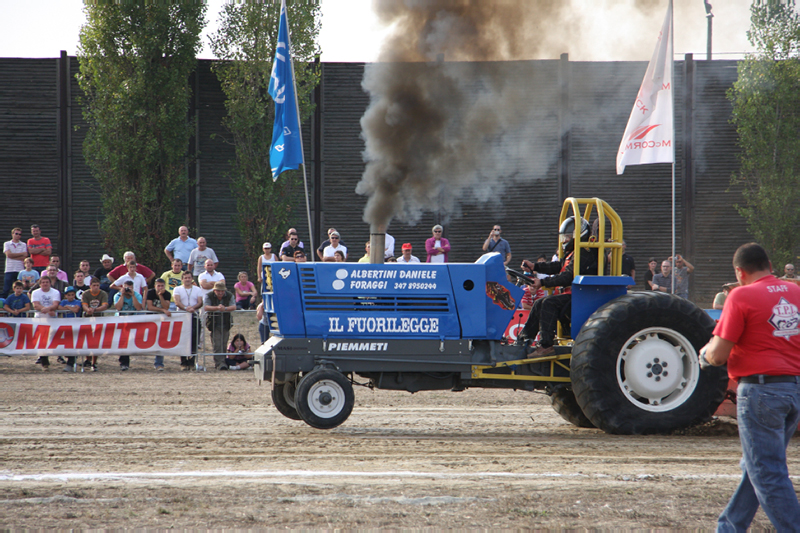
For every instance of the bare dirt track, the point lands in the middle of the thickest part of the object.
(143, 449)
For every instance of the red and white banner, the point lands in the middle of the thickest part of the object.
(649, 136)
(115, 335)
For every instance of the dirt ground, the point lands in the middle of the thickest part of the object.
(171, 449)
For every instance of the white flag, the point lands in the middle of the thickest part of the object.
(649, 136)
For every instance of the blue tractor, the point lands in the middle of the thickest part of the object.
(626, 363)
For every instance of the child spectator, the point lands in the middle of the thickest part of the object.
(80, 284)
(18, 302)
(94, 302)
(338, 256)
(29, 276)
(72, 308)
(240, 353)
(245, 292)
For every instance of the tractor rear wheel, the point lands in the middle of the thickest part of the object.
(564, 403)
(324, 398)
(283, 399)
(634, 365)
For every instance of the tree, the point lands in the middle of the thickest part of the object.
(766, 112)
(245, 44)
(135, 60)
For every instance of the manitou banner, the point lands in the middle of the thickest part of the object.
(114, 335)
(649, 136)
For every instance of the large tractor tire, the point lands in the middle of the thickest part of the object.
(324, 398)
(635, 369)
(564, 403)
(283, 399)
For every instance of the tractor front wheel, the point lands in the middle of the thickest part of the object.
(324, 398)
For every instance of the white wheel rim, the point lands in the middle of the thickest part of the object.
(326, 398)
(657, 369)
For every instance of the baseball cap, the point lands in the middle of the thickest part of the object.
(407, 246)
(69, 289)
(266, 245)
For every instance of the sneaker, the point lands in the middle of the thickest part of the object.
(61, 360)
(234, 367)
(38, 361)
(123, 368)
(69, 368)
(94, 368)
(542, 351)
(87, 363)
(223, 367)
(159, 368)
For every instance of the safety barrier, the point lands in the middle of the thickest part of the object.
(110, 334)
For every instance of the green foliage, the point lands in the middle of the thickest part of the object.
(766, 112)
(245, 44)
(135, 59)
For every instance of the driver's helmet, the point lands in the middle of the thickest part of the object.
(567, 231)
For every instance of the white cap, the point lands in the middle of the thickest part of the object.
(106, 257)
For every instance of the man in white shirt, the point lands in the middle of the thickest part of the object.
(189, 298)
(388, 246)
(16, 251)
(200, 255)
(407, 257)
(139, 281)
(45, 301)
(208, 278)
(334, 246)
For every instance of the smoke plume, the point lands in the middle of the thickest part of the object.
(436, 128)
(445, 123)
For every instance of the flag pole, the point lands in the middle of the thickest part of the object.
(672, 97)
(302, 151)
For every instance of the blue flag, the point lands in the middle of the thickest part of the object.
(286, 152)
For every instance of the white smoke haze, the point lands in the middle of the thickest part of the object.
(443, 126)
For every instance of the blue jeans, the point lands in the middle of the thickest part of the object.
(768, 415)
(159, 361)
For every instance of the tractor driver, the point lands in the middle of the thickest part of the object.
(546, 312)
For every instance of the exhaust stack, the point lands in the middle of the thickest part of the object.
(377, 243)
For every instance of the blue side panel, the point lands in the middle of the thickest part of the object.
(469, 288)
(378, 301)
(286, 298)
(591, 292)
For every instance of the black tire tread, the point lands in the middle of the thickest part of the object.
(280, 403)
(566, 405)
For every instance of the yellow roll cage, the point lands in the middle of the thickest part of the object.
(606, 217)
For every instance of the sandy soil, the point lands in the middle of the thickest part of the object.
(207, 450)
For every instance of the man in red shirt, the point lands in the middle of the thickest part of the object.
(758, 336)
(122, 269)
(39, 249)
